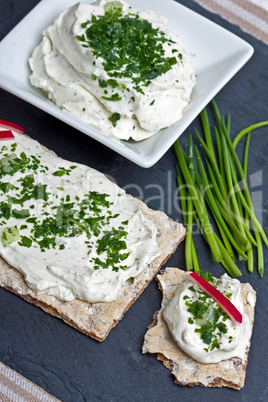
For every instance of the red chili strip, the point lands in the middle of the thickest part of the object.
(6, 135)
(219, 298)
(11, 126)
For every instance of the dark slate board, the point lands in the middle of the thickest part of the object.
(72, 366)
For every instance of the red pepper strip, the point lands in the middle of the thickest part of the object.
(6, 135)
(219, 298)
(11, 126)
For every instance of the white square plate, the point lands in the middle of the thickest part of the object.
(216, 56)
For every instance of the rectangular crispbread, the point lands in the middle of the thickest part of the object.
(187, 371)
(97, 319)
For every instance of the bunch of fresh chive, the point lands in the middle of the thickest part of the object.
(218, 184)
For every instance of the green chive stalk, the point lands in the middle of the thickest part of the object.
(190, 251)
(219, 147)
(248, 130)
(246, 201)
(260, 254)
(241, 240)
(221, 185)
(230, 184)
(247, 204)
(182, 194)
(200, 211)
(227, 213)
(207, 133)
(214, 166)
(226, 260)
(245, 168)
(214, 208)
(188, 240)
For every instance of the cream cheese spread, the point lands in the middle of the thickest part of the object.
(69, 230)
(118, 69)
(201, 328)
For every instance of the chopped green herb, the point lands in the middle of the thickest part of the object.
(112, 243)
(10, 235)
(20, 214)
(6, 187)
(208, 277)
(114, 97)
(25, 241)
(129, 46)
(209, 318)
(190, 320)
(113, 7)
(5, 210)
(114, 118)
(112, 82)
(69, 217)
(102, 83)
(192, 288)
(62, 171)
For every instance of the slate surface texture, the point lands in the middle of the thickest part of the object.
(72, 366)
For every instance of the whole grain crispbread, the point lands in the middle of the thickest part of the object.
(187, 371)
(97, 319)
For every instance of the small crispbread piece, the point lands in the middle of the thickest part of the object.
(97, 319)
(187, 371)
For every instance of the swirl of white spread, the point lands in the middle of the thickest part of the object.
(182, 324)
(64, 69)
(70, 273)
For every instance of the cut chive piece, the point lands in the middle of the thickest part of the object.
(20, 214)
(25, 241)
(114, 118)
(10, 235)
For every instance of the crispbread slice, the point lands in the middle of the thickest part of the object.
(187, 371)
(97, 319)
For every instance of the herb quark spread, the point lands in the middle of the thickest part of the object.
(201, 328)
(69, 230)
(119, 69)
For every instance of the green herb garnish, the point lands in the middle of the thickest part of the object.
(209, 318)
(113, 242)
(25, 241)
(114, 118)
(10, 235)
(129, 46)
(69, 217)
